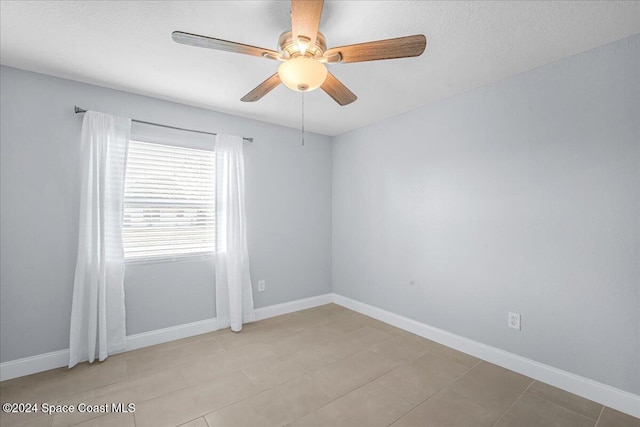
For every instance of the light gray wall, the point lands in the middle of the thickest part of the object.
(288, 197)
(522, 196)
(519, 196)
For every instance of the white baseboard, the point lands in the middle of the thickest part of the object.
(291, 306)
(172, 333)
(606, 395)
(31, 365)
(58, 359)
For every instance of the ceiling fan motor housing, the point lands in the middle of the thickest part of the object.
(290, 48)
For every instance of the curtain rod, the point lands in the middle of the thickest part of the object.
(79, 110)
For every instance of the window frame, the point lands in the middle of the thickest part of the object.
(176, 256)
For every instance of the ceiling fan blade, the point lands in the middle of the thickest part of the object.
(305, 19)
(219, 44)
(262, 89)
(338, 91)
(401, 47)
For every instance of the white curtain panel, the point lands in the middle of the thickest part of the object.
(98, 312)
(234, 295)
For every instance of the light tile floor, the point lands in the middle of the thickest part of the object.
(326, 366)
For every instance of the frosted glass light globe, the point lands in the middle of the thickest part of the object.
(302, 73)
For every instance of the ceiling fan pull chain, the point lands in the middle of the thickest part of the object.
(302, 118)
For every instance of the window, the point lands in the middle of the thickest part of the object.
(169, 201)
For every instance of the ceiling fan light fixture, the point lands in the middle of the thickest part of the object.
(302, 73)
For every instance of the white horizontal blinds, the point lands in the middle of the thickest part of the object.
(169, 201)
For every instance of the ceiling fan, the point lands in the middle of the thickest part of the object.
(303, 52)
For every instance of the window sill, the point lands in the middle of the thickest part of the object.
(169, 259)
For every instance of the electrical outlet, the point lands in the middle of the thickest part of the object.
(514, 320)
(261, 286)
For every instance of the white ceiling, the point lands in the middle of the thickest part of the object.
(127, 45)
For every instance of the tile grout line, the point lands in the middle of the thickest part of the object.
(196, 418)
(599, 416)
(317, 409)
(554, 404)
(409, 363)
(331, 400)
(513, 403)
(250, 380)
(463, 374)
(439, 392)
(393, 392)
(569, 409)
(253, 395)
(400, 397)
